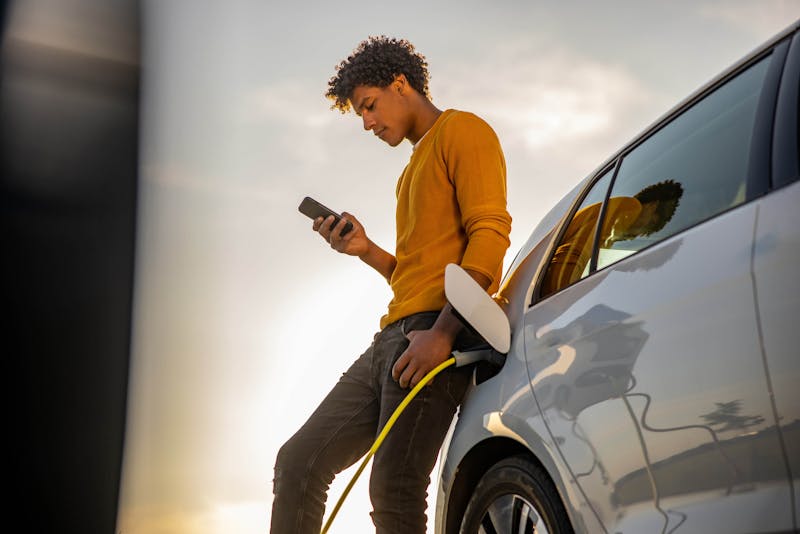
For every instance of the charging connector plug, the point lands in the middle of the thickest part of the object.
(480, 355)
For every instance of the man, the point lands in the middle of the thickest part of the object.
(451, 208)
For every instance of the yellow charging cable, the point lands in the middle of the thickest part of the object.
(382, 436)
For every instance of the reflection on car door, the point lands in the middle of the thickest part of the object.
(656, 397)
(776, 256)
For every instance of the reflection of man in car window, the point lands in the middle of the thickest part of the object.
(656, 206)
(643, 214)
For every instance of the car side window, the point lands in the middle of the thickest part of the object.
(690, 170)
(571, 258)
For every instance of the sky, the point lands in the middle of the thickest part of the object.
(244, 318)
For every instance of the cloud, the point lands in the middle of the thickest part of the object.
(761, 19)
(289, 101)
(291, 129)
(551, 106)
(546, 98)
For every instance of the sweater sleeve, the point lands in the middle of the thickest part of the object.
(477, 168)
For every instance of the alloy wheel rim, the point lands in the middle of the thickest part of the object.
(514, 514)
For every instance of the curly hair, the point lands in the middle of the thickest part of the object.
(376, 62)
(667, 194)
(664, 190)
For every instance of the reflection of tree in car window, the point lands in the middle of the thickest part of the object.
(643, 214)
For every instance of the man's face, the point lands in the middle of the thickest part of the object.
(384, 110)
(649, 220)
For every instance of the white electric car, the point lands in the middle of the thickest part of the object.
(652, 382)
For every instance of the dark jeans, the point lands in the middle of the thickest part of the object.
(344, 426)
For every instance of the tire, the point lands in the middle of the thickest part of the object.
(515, 496)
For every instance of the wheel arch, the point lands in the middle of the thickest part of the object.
(472, 467)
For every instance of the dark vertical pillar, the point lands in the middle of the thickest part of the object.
(69, 120)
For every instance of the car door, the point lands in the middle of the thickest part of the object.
(776, 256)
(642, 340)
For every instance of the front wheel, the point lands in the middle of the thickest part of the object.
(515, 496)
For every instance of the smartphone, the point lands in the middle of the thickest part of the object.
(314, 209)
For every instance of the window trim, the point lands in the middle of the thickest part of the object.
(760, 168)
(785, 152)
(601, 217)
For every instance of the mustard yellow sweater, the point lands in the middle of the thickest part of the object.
(451, 208)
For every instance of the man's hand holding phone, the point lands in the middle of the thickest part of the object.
(346, 235)
(353, 242)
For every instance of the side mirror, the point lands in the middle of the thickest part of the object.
(476, 308)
